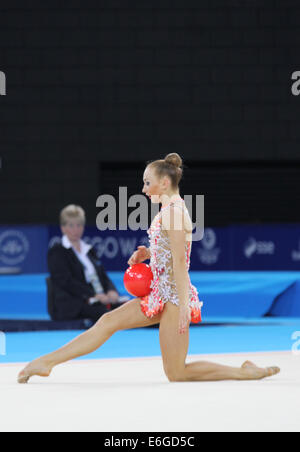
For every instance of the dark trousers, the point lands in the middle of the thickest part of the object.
(96, 310)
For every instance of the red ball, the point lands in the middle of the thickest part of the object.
(138, 279)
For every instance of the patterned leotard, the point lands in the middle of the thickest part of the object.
(163, 285)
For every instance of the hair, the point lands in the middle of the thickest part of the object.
(171, 166)
(72, 212)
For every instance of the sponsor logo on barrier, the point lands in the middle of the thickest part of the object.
(209, 253)
(2, 84)
(14, 247)
(107, 218)
(253, 246)
(110, 247)
(296, 345)
(2, 344)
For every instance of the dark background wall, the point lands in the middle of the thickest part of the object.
(96, 88)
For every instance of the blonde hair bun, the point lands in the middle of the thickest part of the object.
(174, 159)
(171, 166)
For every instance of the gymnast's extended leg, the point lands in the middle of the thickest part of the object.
(125, 317)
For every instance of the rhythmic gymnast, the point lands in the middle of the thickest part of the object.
(173, 302)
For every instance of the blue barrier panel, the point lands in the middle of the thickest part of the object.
(238, 270)
(23, 296)
(23, 249)
(244, 294)
(274, 247)
(214, 251)
(225, 294)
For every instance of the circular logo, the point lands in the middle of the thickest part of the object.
(209, 253)
(209, 240)
(14, 247)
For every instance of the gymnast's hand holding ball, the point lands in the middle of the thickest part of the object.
(139, 256)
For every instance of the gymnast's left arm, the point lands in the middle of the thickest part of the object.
(177, 243)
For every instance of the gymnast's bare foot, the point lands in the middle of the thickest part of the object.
(37, 367)
(252, 372)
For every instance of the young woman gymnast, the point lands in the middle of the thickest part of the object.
(173, 302)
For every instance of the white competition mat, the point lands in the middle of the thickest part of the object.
(133, 395)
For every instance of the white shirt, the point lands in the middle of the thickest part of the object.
(89, 269)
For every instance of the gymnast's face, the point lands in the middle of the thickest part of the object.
(154, 187)
(73, 230)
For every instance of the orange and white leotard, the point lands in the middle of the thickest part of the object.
(163, 285)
